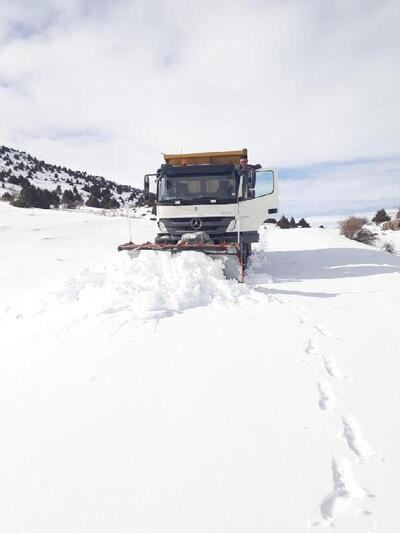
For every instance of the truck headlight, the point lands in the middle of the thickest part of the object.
(162, 227)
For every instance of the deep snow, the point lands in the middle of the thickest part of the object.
(151, 394)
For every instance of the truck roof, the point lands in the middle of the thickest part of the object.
(203, 158)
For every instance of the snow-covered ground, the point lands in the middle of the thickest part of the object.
(383, 237)
(151, 394)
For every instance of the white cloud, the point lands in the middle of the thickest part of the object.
(342, 188)
(294, 82)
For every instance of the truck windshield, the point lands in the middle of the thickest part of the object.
(197, 188)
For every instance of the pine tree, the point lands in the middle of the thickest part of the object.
(68, 199)
(55, 199)
(30, 196)
(93, 201)
(77, 196)
(27, 197)
(284, 223)
(302, 223)
(44, 199)
(292, 223)
(109, 203)
(381, 216)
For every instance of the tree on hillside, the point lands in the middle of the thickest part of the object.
(15, 180)
(27, 197)
(30, 196)
(93, 201)
(283, 222)
(292, 223)
(381, 216)
(109, 203)
(302, 223)
(68, 199)
(77, 196)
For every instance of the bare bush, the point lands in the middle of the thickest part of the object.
(351, 225)
(389, 247)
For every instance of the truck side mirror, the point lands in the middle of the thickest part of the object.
(146, 188)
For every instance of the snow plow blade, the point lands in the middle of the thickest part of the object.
(229, 250)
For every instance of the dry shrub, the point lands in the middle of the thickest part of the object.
(351, 225)
(389, 247)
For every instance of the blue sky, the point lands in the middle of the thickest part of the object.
(308, 87)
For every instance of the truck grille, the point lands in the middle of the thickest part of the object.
(212, 225)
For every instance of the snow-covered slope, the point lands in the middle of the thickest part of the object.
(383, 237)
(151, 394)
(17, 166)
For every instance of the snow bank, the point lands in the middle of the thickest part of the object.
(151, 285)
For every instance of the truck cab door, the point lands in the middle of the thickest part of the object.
(261, 202)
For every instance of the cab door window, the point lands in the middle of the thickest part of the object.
(263, 183)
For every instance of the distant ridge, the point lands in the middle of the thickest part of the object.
(27, 181)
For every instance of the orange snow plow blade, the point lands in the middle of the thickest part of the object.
(213, 250)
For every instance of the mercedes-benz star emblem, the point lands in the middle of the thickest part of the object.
(196, 223)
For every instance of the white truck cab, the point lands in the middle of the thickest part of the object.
(210, 193)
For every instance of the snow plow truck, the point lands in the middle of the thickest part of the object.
(210, 202)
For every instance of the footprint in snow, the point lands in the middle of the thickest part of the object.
(311, 348)
(302, 314)
(354, 439)
(345, 490)
(323, 331)
(332, 368)
(302, 320)
(327, 400)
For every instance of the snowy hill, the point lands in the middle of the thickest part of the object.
(18, 168)
(151, 394)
